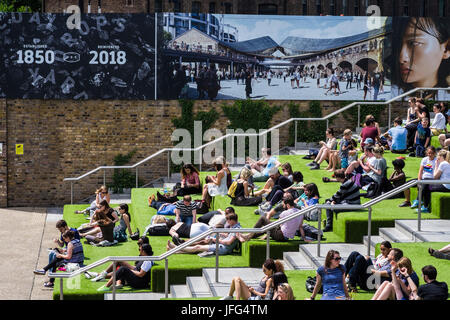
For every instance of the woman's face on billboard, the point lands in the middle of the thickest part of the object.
(420, 57)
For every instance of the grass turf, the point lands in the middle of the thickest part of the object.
(190, 265)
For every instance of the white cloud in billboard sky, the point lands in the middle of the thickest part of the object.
(279, 28)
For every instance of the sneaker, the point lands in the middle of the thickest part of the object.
(412, 154)
(424, 210)
(315, 167)
(90, 275)
(99, 277)
(206, 254)
(104, 289)
(311, 164)
(227, 298)
(49, 284)
(257, 212)
(118, 286)
(415, 204)
(40, 272)
(405, 204)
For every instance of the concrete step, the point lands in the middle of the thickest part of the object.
(251, 277)
(198, 286)
(394, 235)
(297, 261)
(135, 296)
(432, 230)
(180, 291)
(344, 249)
(374, 240)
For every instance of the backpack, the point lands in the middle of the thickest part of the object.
(232, 189)
(312, 232)
(311, 283)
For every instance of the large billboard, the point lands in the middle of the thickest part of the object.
(110, 56)
(217, 56)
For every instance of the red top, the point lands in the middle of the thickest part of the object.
(192, 179)
(368, 132)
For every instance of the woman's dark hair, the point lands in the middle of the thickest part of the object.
(369, 121)
(68, 234)
(297, 176)
(329, 257)
(124, 206)
(339, 174)
(279, 278)
(313, 190)
(147, 249)
(190, 167)
(287, 166)
(434, 26)
(105, 204)
(386, 244)
(144, 240)
(398, 163)
(330, 131)
(170, 223)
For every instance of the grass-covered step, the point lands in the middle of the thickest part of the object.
(440, 202)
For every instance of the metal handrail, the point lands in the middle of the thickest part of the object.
(265, 132)
(267, 228)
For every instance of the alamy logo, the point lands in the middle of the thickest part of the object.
(216, 144)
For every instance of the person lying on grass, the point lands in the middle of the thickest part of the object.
(226, 245)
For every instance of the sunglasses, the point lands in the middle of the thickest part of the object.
(337, 258)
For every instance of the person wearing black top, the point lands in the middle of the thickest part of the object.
(432, 290)
(280, 183)
(348, 193)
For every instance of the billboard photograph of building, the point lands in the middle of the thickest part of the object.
(274, 57)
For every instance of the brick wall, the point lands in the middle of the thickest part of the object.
(67, 138)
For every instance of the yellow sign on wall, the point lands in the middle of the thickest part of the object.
(19, 149)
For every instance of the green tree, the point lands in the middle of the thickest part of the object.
(20, 5)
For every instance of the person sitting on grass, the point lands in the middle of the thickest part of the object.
(444, 139)
(242, 195)
(285, 292)
(326, 149)
(332, 277)
(287, 170)
(422, 138)
(101, 194)
(443, 253)
(137, 277)
(190, 181)
(107, 273)
(103, 230)
(297, 187)
(397, 137)
(283, 232)
(432, 289)
(399, 287)
(72, 254)
(360, 166)
(62, 227)
(120, 231)
(358, 267)
(276, 210)
(398, 178)
(369, 131)
(310, 196)
(264, 291)
(348, 193)
(226, 245)
(340, 158)
(262, 167)
(426, 172)
(441, 172)
(216, 185)
(274, 186)
(439, 125)
(186, 211)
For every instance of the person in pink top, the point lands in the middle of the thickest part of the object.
(369, 131)
(190, 181)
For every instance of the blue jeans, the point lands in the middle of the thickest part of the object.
(375, 92)
(356, 266)
(186, 219)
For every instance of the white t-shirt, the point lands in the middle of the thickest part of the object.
(438, 121)
(428, 168)
(147, 265)
(444, 167)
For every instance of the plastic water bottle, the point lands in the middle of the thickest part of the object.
(165, 190)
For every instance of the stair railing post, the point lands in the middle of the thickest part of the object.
(71, 192)
(104, 177)
(168, 166)
(268, 245)
(217, 257)
(319, 237)
(419, 207)
(166, 279)
(114, 282)
(359, 115)
(295, 135)
(137, 177)
(369, 230)
(61, 286)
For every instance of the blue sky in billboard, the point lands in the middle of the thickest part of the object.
(281, 27)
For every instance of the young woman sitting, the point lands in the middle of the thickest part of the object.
(190, 181)
(101, 194)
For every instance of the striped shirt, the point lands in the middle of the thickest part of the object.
(185, 210)
(348, 193)
(77, 252)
